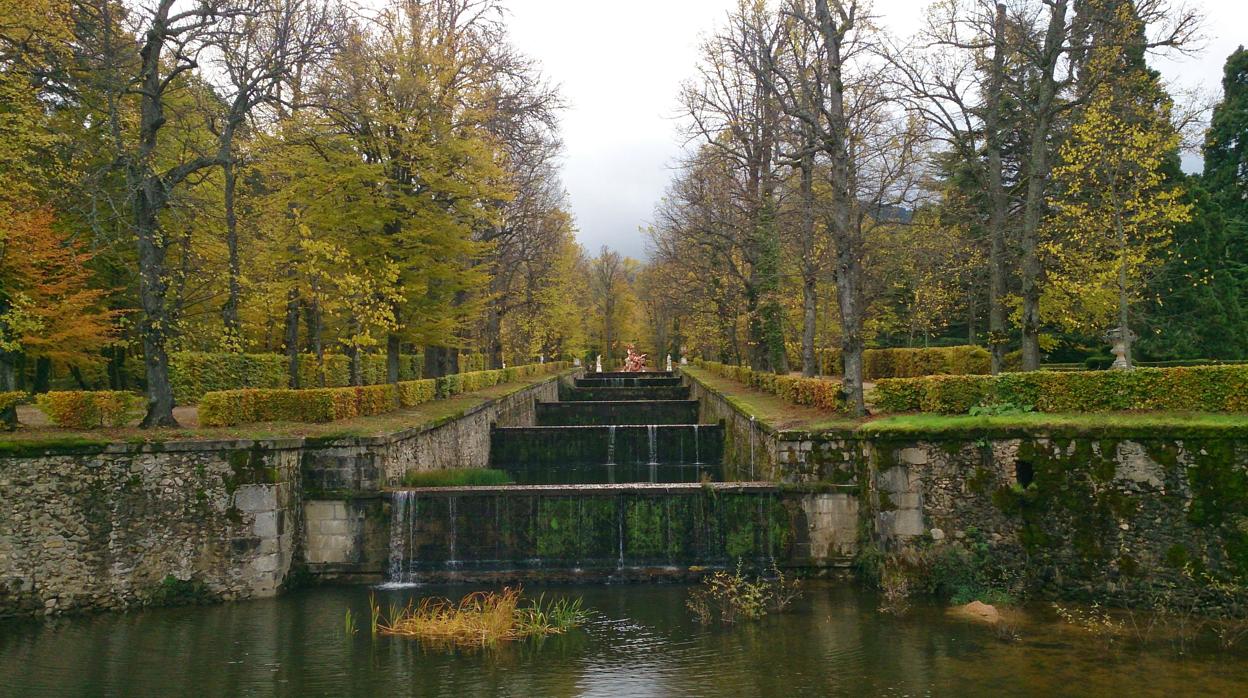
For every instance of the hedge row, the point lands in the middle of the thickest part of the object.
(231, 407)
(1194, 389)
(814, 392)
(194, 373)
(88, 409)
(909, 363)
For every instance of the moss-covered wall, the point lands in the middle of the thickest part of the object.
(132, 525)
(1094, 517)
(588, 528)
(582, 413)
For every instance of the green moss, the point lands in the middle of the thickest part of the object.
(980, 480)
(1177, 556)
(455, 477)
(23, 448)
(645, 531)
(1128, 566)
(172, 591)
(886, 502)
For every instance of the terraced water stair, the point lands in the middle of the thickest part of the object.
(647, 437)
(605, 485)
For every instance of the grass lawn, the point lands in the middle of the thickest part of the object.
(429, 413)
(783, 416)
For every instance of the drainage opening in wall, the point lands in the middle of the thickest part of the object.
(1023, 473)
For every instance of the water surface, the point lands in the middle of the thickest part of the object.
(641, 641)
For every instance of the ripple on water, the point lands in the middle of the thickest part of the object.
(639, 641)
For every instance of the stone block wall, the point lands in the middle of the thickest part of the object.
(756, 451)
(136, 524)
(1107, 517)
(347, 539)
(343, 467)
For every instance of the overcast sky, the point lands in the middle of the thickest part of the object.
(620, 66)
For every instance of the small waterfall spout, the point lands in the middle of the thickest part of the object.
(405, 509)
(697, 448)
(652, 433)
(611, 445)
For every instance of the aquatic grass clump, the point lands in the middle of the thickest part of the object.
(456, 477)
(732, 596)
(480, 619)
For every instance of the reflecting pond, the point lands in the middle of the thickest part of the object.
(641, 641)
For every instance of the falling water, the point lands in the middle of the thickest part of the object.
(752, 447)
(697, 447)
(453, 522)
(611, 445)
(398, 545)
(653, 434)
(619, 533)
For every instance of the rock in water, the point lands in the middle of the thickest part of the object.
(978, 611)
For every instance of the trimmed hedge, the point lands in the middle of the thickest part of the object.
(910, 363)
(88, 409)
(231, 407)
(12, 399)
(1186, 389)
(194, 373)
(813, 392)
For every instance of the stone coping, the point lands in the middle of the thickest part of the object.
(655, 488)
(33, 449)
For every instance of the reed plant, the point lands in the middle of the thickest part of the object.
(480, 619)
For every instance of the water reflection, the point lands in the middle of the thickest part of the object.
(641, 642)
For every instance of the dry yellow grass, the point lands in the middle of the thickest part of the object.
(479, 619)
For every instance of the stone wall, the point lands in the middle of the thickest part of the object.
(348, 523)
(126, 525)
(1106, 517)
(1117, 514)
(342, 467)
(755, 450)
(130, 525)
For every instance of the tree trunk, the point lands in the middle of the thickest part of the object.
(292, 337)
(8, 383)
(1037, 172)
(1124, 320)
(997, 337)
(847, 296)
(43, 375)
(229, 313)
(493, 337)
(810, 279)
(844, 232)
(117, 368)
(154, 327)
(393, 347)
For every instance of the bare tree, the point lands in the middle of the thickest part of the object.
(259, 53)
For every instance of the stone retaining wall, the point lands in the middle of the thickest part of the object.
(342, 467)
(1120, 515)
(136, 524)
(125, 525)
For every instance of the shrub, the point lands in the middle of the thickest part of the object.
(8, 402)
(194, 373)
(88, 409)
(412, 393)
(231, 407)
(1188, 389)
(814, 392)
(907, 363)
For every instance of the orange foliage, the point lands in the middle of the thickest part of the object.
(37, 261)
